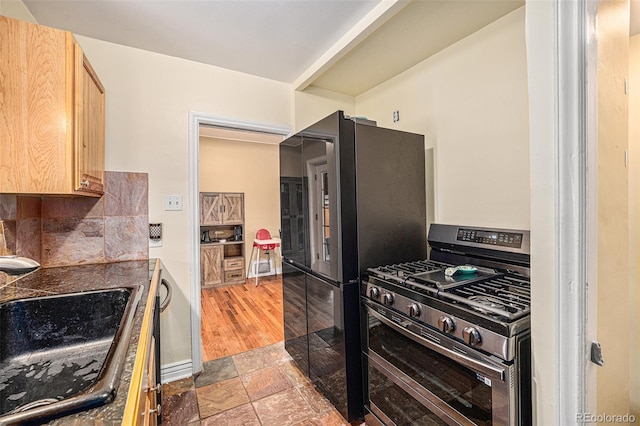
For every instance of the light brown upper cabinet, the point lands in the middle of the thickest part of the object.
(221, 208)
(52, 113)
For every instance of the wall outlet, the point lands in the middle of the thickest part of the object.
(173, 202)
(396, 116)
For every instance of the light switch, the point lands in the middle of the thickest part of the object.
(173, 202)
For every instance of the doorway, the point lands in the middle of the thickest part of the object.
(242, 133)
(319, 209)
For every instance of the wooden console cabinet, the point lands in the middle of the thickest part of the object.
(219, 208)
(222, 255)
(52, 113)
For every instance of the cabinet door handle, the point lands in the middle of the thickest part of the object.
(167, 299)
(157, 410)
(157, 388)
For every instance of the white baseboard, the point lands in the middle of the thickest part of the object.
(176, 371)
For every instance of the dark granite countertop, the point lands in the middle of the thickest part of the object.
(71, 279)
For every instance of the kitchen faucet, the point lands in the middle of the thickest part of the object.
(16, 265)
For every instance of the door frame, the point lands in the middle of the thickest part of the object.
(196, 119)
(563, 149)
(314, 201)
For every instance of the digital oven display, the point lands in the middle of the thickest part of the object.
(492, 238)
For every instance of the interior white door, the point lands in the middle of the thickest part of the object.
(320, 231)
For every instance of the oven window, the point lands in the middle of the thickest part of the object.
(397, 404)
(461, 388)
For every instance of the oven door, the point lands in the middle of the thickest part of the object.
(417, 376)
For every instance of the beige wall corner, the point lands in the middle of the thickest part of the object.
(634, 221)
(314, 104)
(470, 101)
(613, 200)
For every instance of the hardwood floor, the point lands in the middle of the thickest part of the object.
(240, 318)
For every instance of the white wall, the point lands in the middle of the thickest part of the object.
(544, 330)
(148, 99)
(540, 51)
(471, 103)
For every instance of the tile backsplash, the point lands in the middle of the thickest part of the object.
(59, 231)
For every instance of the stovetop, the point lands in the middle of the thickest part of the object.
(490, 306)
(488, 293)
(485, 306)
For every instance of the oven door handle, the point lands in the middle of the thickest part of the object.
(484, 368)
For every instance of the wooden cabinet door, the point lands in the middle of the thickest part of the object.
(35, 109)
(211, 265)
(51, 113)
(221, 209)
(210, 209)
(89, 126)
(233, 209)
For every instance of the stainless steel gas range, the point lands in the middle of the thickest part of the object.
(446, 340)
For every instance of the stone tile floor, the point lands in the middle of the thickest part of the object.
(261, 387)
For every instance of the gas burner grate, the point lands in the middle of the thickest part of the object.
(487, 301)
(510, 297)
(402, 271)
(402, 274)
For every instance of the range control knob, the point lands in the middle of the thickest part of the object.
(414, 310)
(471, 336)
(374, 292)
(446, 325)
(387, 299)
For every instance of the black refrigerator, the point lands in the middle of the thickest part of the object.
(352, 196)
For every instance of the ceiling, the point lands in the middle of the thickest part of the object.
(338, 45)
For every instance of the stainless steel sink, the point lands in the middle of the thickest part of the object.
(63, 354)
